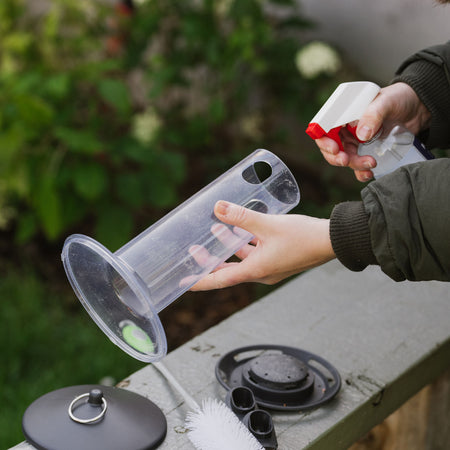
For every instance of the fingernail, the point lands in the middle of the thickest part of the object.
(339, 161)
(368, 165)
(222, 207)
(364, 133)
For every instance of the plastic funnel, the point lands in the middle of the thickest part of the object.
(124, 291)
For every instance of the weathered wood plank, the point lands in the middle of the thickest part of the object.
(422, 423)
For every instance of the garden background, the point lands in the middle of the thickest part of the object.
(114, 112)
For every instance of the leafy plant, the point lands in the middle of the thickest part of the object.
(105, 113)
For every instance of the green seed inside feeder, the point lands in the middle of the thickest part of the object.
(138, 339)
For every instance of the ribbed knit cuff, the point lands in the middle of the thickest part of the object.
(350, 236)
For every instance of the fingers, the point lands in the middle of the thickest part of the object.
(202, 257)
(229, 275)
(233, 274)
(363, 175)
(251, 221)
(349, 157)
(233, 239)
(226, 236)
(206, 260)
(372, 119)
(328, 146)
(362, 165)
(225, 275)
(331, 153)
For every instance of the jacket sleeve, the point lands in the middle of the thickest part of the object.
(405, 218)
(428, 73)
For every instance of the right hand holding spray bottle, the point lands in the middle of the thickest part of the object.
(393, 145)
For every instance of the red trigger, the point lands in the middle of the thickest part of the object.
(334, 134)
(315, 131)
(352, 130)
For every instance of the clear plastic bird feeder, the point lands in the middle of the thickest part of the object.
(124, 291)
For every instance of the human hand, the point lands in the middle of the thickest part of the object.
(397, 103)
(283, 246)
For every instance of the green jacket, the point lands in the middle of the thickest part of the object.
(402, 223)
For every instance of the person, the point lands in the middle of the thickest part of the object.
(400, 224)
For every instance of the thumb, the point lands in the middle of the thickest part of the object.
(239, 216)
(371, 121)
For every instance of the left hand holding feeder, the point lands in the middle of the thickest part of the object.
(284, 245)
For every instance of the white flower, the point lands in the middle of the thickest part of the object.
(222, 7)
(251, 126)
(316, 58)
(145, 126)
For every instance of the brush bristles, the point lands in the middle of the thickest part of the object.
(215, 427)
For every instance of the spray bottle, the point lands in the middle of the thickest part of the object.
(392, 146)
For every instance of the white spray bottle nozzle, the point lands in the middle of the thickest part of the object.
(347, 104)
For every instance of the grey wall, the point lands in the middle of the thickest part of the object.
(376, 35)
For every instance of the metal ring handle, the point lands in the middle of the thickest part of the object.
(94, 419)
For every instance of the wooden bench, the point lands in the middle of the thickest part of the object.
(387, 340)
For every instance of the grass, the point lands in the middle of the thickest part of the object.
(47, 342)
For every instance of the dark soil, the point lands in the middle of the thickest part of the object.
(195, 312)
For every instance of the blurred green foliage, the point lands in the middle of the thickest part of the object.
(106, 112)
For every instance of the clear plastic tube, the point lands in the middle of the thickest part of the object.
(125, 291)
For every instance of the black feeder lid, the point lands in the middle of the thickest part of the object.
(94, 417)
(280, 377)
